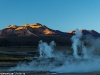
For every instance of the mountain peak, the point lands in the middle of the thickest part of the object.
(12, 26)
(35, 24)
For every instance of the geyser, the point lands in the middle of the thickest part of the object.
(76, 39)
(46, 50)
(76, 42)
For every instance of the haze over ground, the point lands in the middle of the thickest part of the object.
(62, 15)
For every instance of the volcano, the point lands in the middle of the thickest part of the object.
(36, 29)
(31, 34)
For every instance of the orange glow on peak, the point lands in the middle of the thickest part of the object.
(47, 31)
(35, 26)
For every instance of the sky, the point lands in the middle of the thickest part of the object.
(63, 15)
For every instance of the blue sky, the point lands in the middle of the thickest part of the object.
(61, 15)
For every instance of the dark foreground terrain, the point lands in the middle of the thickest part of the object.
(48, 73)
(10, 57)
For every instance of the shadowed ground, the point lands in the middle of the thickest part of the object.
(10, 58)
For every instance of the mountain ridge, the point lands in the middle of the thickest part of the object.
(38, 29)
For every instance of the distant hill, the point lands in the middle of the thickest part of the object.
(31, 34)
(87, 32)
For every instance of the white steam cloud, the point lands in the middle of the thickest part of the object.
(76, 42)
(65, 62)
(46, 50)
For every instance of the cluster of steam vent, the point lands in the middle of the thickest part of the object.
(60, 64)
(46, 50)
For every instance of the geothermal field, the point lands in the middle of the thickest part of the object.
(41, 37)
(84, 59)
